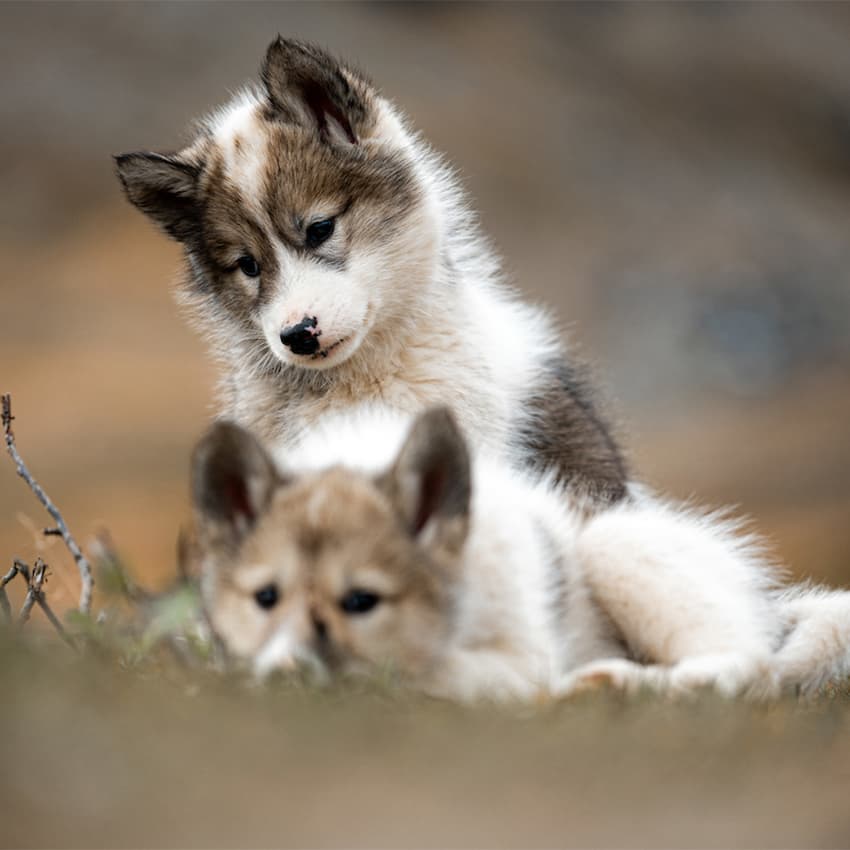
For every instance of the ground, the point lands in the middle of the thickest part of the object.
(96, 755)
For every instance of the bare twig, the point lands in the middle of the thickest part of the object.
(112, 571)
(4, 599)
(55, 621)
(187, 554)
(82, 564)
(18, 568)
(34, 581)
(36, 578)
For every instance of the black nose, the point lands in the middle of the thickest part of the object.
(302, 338)
(320, 628)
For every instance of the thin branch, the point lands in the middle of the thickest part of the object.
(35, 593)
(54, 620)
(18, 568)
(112, 571)
(187, 554)
(4, 599)
(36, 579)
(82, 564)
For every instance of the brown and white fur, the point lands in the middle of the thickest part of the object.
(393, 548)
(332, 260)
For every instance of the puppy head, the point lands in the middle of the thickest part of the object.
(301, 211)
(333, 570)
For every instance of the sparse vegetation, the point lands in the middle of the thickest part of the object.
(133, 625)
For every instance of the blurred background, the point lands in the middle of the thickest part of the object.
(673, 180)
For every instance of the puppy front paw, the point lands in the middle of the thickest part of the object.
(612, 674)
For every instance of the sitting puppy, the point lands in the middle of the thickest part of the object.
(393, 548)
(331, 260)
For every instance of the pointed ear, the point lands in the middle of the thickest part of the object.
(431, 482)
(308, 87)
(233, 479)
(164, 188)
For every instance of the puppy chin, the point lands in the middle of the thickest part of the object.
(331, 354)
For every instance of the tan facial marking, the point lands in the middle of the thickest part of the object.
(326, 535)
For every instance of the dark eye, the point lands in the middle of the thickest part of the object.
(267, 597)
(318, 232)
(248, 266)
(359, 601)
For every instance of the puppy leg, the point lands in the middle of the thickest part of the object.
(470, 675)
(729, 674)
(618, 674)
(685, 593)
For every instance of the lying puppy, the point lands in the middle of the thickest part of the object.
(391, 547)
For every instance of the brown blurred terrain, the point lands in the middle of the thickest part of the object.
(673, 180)
(107, 759)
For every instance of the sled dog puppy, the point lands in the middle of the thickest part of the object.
(331, 259)
(391, 547)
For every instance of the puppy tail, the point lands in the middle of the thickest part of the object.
(816, 646)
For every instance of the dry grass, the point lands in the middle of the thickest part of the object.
(95, 754)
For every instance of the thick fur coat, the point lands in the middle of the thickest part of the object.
(332, 260)
(378, 543)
